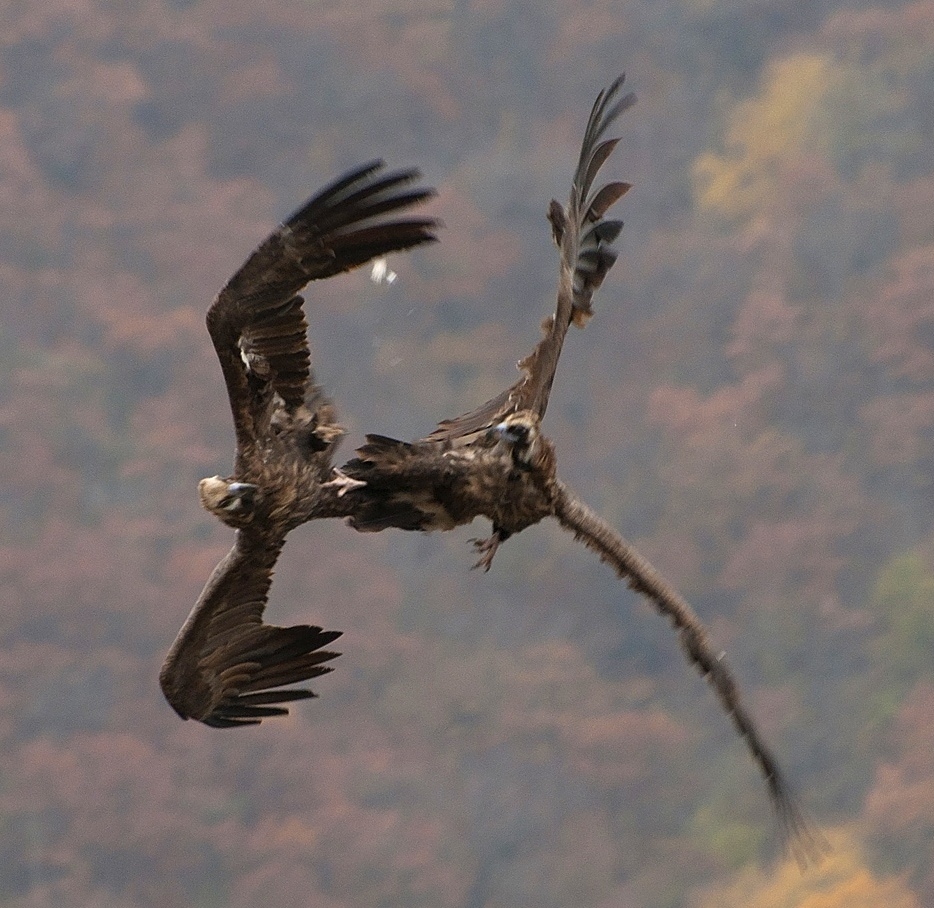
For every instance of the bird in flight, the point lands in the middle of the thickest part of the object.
(495, 462)
(226, 667)
(490, 461)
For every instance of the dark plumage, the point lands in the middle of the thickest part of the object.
(470, 466)
(494, 462)
(226, 667)
(502, 474)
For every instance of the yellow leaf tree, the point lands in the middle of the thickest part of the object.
(842, 880)
(813, 113)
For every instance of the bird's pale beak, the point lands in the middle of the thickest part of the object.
(511, 434)
(241, 488)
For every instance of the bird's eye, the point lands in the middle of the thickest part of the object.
(519, 432)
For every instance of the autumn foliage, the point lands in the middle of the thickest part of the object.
(753, 404)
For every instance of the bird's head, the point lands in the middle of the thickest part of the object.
(519, 434)
(233, 503)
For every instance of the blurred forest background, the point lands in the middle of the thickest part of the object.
(753, 405)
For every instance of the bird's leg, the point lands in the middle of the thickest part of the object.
(343, 483)
(487, 547)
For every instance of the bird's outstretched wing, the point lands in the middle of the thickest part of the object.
(797, 832)
(226, 668)
(257, 323)
(584, 240)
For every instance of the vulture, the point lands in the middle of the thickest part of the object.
(226, 667)
(494, 461)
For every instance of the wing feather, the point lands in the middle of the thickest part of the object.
(797, 832)
(586, 256)
(226, 666)
(257, 323)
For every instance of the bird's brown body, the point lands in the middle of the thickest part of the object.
(506, 474)
(494, 462)
(226, 667)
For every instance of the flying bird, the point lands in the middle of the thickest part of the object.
(226, 667)
(489, 462)
(494, 461)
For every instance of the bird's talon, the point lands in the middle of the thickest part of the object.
(488, 547)
(343, 483)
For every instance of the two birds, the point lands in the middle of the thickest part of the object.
(227, 667)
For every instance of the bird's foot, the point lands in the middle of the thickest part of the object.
(487, 547)
(343, 483)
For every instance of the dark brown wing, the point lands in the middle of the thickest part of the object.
(806, 842)
(226, 668)
(256, 322)
(584, 239)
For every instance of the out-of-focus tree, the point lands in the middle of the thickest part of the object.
(810, 105)
(900, 802)
(842, 880)
(903, 603)
(752, 404)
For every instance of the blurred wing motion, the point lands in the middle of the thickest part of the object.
(797, 832)
(584, 241)
(226, 668)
